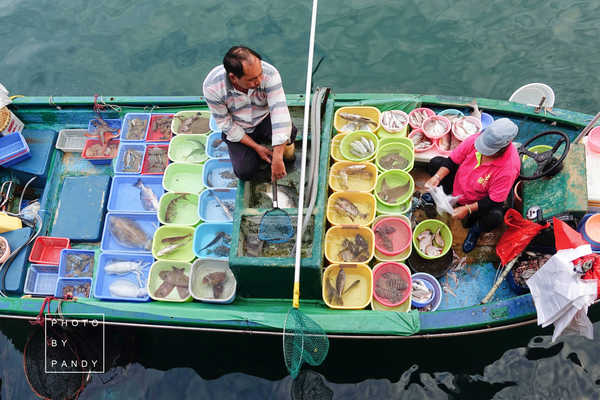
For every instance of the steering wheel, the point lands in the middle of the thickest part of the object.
(546, 163)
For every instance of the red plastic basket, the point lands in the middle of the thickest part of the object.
(46, 249)
(113, 144)
(155, 134)
(146, 170)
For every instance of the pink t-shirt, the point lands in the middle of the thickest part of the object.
(494, 178)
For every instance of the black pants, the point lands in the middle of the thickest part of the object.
(487, 221)
(246, 162)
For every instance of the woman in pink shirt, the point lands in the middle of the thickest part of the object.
(482, 171)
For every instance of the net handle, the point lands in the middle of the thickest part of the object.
(274, 188)
(311, 46)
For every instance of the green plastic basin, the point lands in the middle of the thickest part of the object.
(345, 145)
(188, 149)
(183, 178)
(396, 148)
(182, 208)
(433, 225)
(393, 179)
(183, 253)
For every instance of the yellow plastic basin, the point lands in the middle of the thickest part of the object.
(355, 297)
(364, 202)
(352, 176)
(335, 237)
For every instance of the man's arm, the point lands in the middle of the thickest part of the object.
(281, 124)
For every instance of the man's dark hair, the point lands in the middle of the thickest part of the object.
(234, 57)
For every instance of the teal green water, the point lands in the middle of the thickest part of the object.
(480, 49)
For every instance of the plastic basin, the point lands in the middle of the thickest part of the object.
(540, 148)
(143, 225)
(183, 178)
(158, 131)
(399, 187)
(423, 149)
(486, 120)
(135, 134)
(104, 280)
(173, 268)
(395, 268)
(437, 289)
(345, 145)
(206, 233)
(212, 290)
(218, 174)
(429, 286)
(403, 151)
(155, 159)
(113, 123)
(423, 110)
(592, 229)
(162, 241)
(401, 209)
(126, 163)
(451, 113)
(355, 298)
(46, 249)
(334, 239)
(336, 152)
(433, 225)
(210, 210)
(216, 146)
(431, 122)
(5, 249)
(13, 149)
(188, 149)
(41, 280)
(352, 176)
(404, 140)
(458, 134)
(78, 287)
(72, 264)
(364, 203)
(178, 209)
(113, 147)
(213, 124)
(401, 129)
(125, 196)
(399, 238)
(364, 111)
(593, 140)
(71, 141)
(200, 126)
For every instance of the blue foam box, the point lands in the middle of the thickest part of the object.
(15, 275)
(148, 223)
(125, 196)
(205, 233)
(210, 210)
(211, 175)
(41, 147)
(220, 151)
(125, 126)
(119, 166)
(87, 269)
(74, 282)
(41, 280)
(103, 279)
(81, 208)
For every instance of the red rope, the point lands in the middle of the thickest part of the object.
(39, 320)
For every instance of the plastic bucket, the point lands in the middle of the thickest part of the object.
(431, 122)
(386, 129)
(415, 121)
(433, 225)
(200, 287)
(335, 237)
(399, 187)
(355, 298)
(155, 281)
(400, 257)
(352, 176)
(438, 147)
(403, 152)
(437, 289)
(396, 268)
(459, 134)
(451, 114)
(399, 237)
(178, 209)
(421, 149)
(188, 149)
(486, 120)
(429, 286)
(348, 141)
(364, 111)
(364, 203)
(183, 178)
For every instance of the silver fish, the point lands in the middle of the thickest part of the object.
(129, 233)
(173, 247)
(147, 196)
(286, 195)
(357, 118)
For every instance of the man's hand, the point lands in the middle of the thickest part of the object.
(264, 153)
(460, 212)
(277, 166)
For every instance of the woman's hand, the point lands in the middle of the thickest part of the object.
(460, 212)
(433, 182)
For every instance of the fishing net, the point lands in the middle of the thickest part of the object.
(276, 224)
(303, 341)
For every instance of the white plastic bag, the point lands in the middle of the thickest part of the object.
(443, 202)
(4, 99)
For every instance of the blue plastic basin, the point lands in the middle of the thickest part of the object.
(214, 169)
(125, 127)
(148, 223)
(73, 254)
(41, 280)
(125, 196)
(210, 210)
(104, 280)
(205, 233)
(63, 282)
(119, 166)
(220, 151)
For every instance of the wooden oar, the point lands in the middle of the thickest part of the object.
(500, 279)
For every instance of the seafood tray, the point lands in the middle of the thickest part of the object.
(156, 159)
(348, 244)
(46, 249)
(71, 140)
(347, 286)
(351, 208)
(218, 173)
(170, 281)
(125, 278)
(137, 134)
(13, 149)
(212, 281)
(159, 129)
(41, 280)
(174, 243)
(213, 240)
(188, 149)
(112, 123)
(178, 209)
(347, 125)
(211, 210)
(216, 146)
(126, 196)
(183, 178)
(129, 159)
(128, 232)
(76, 263)
(113, 147)
(76, 287)
(191, 122)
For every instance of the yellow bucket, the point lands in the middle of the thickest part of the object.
(335, 237)
(352, 176)
(336, 153)
(364, 202)
(354, 299)
(364, 111)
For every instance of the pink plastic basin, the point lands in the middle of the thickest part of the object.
(394, 267)
(400, 238)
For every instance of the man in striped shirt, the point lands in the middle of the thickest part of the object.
(246, 97)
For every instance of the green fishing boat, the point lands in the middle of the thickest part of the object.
(73, 195)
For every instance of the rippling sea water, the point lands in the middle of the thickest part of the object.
(481, 49)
